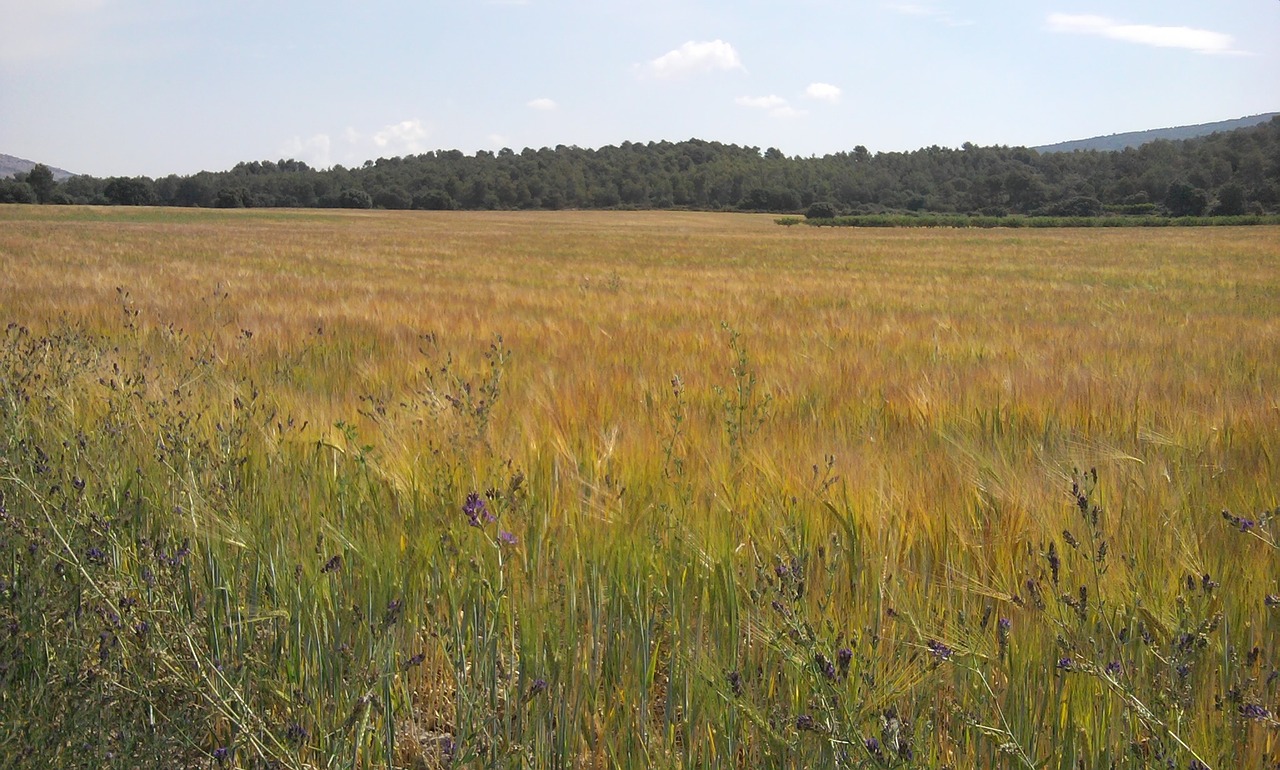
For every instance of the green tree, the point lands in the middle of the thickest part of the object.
(41, 180)
(1183, 200)
(434, 200)
(124, 191)
(1230, 200)
(821, 210)
(354, 198)
(13, 191)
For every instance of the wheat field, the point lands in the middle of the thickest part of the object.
(650, 489)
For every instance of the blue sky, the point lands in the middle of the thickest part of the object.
(125, 87)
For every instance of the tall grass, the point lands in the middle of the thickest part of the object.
(674, 490)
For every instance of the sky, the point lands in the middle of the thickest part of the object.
(158, 87)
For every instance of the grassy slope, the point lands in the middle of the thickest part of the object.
(871, 447)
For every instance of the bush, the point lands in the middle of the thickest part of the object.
(821, 210)
(354, 199)
(16, 192)
(434, 200)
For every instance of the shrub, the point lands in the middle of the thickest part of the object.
(821, 210)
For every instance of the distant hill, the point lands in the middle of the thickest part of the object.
(10, 165)
(1139, 138)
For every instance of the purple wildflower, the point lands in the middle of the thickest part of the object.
(1113, 668)
(296, 733)
(1066, 664)
(507, 538)
(415, 660)
(806, 722)
(843, 658)
(333, 565)
(538, 687)
(825, 665)
(477, 510)
(873, 746)
(735, 682)
(1272, 600)
(96, 555)
(220, 754)
(393, 612)
(1254, 711)
(939, 650)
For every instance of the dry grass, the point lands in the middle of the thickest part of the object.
(951, 380)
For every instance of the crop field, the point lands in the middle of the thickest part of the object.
(604, 489)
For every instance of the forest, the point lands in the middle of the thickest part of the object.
(1230, 173)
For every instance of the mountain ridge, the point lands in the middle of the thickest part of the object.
(1121, 141)
(11, 165)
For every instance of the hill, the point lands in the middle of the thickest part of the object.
(1139, 138)
(9, 165)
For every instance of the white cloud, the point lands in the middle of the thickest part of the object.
(787, 111)
(823, 92)
(497, 140)
(927, 12)
(542, 105)
(776, 105)
(761, 102)
(403, 138)
(695, 57)
(1188, 38)
(316, 151)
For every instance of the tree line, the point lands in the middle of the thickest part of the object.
(1230, 173)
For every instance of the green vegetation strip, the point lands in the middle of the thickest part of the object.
(985, 222)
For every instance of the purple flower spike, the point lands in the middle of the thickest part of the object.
(507, 537)
(1254, 711)
(477, 510)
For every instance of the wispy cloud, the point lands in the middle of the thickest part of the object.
(787, 111)
(776, 105)
(404, 138)
(542, 105)
(928, 12)
(316, 150)
(695, 57)
(761, 102)
(1187, 38)
(408, 137)
(824, 92)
